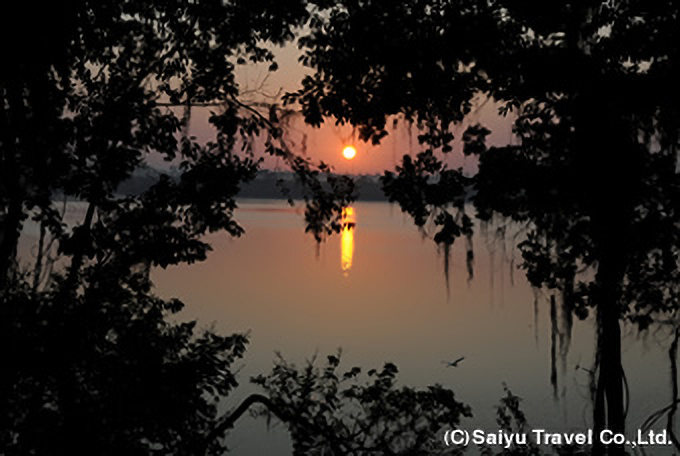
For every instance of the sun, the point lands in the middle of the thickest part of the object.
(349, 152)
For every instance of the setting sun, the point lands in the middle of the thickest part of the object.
(349, 152)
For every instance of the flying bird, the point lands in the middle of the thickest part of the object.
(454, 363)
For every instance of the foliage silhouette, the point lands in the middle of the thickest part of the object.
(329, 412)
(590, 89)
(92, 362)
(106, 373)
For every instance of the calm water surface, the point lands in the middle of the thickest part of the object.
(378, 292)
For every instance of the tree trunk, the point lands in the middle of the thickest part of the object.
(611, 231)
(83, 239)
(10, 224)
(10, 231)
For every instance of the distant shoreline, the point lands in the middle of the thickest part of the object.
(265, 186)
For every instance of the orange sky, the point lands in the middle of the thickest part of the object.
(327, 142)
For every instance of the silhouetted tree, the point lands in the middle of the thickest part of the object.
(89, 91)
(108, 84)
(91, 362)
(106, 373)
(329, 412)
(591, 89)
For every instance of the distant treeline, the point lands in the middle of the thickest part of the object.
(267, 185)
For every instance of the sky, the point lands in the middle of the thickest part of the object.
(327, 142)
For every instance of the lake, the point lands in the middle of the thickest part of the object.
(379, 293)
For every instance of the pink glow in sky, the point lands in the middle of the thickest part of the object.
(327, 142)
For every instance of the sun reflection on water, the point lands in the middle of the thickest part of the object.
(347, 239)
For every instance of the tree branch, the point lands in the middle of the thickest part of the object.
(228, 420)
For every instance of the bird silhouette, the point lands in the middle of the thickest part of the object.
(454, 363)
(578, 366)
